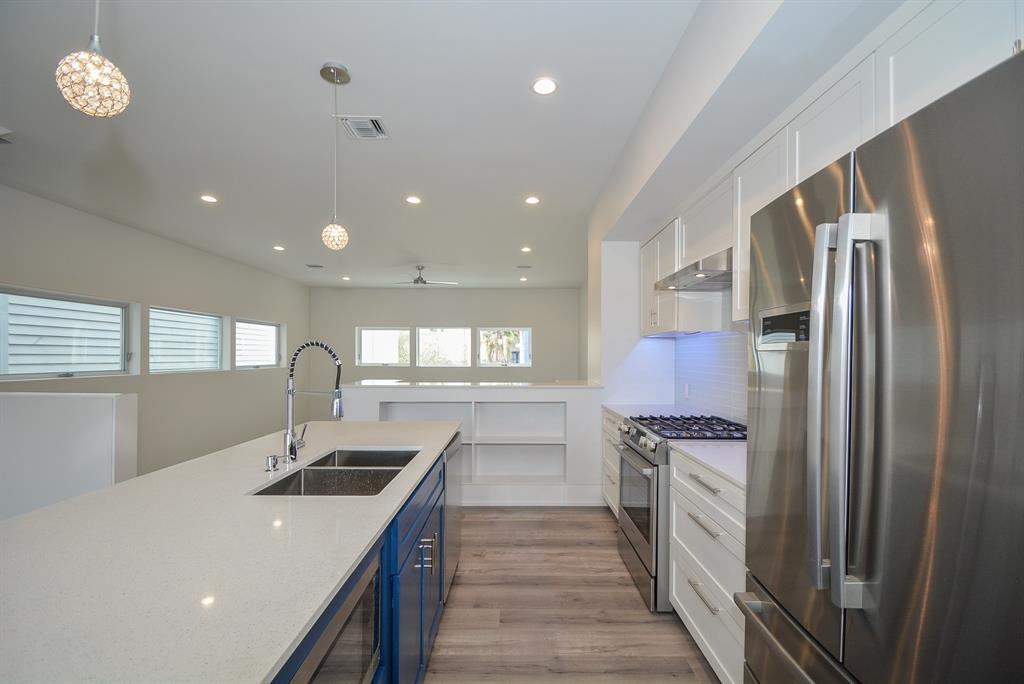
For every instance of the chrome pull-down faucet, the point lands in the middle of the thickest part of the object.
(291, 444)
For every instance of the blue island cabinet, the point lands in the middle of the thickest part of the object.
(416, 568)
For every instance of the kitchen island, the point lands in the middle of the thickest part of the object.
(182, 575)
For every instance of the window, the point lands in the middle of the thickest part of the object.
(256, 344)
(45, 336)
(382, 346)
(183, 341)
(505, 347)
(443, 347)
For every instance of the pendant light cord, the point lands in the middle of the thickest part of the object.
(96, 20)
(334, 124)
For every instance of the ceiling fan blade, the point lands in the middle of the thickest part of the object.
(440, 282)
(404, 282)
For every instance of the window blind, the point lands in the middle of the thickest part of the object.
(40, 336)
(183, 341)
(255, 344)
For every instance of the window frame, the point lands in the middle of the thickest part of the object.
(221, 321)
(279, 363)
(469, 356)
(126, 323)
(479, 347)
(398, 328)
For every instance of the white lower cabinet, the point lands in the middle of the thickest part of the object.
(610, 460)
(707, 554)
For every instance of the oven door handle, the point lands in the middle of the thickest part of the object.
(637, 463)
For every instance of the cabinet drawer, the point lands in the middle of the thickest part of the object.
(702, 608)
(610, 455)
(610, 423)
(722, 500)
(415, 511)
(717, 551)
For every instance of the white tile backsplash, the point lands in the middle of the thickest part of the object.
(711, 374)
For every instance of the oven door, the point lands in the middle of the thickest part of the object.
(638, 505)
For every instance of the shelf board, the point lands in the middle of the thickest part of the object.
(518, 439)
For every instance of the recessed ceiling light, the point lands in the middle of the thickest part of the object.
(544, 85)
(532, 200)
(413, 199)
(208, 198)
(523, 279)
(278, 522)
(207, 601)
(278, 248)
(525, 249)
(345, 278)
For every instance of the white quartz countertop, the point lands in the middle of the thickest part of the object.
(728, 459)
(182, 576)
(569, 384)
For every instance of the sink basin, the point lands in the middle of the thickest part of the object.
(333, 482)
(348, 458)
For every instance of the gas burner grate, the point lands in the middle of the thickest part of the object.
(692, 427)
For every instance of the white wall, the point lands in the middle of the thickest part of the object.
(634, 369)
(553, 315)
(48, 246)
(711, 374)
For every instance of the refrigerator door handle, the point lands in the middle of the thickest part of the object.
(824, 245)
(846, 591)
(752, 608)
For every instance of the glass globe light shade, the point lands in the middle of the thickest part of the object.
(92, 84)
(334, 236)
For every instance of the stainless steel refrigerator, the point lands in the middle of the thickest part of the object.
(885, 511)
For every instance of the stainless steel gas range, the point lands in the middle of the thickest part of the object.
(643, 493)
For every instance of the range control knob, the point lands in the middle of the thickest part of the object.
(644, 442)
(623, 428)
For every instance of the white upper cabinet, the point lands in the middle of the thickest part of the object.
(943, 47)
(834, 124)
(658, 259)
(758, 180)
(648, 276)
(707, 225)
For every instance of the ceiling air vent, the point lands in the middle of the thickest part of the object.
(364, 127)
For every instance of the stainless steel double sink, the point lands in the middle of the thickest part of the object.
(343, 472)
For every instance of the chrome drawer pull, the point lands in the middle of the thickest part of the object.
(700, 480)
(707, 530)
(714, 610)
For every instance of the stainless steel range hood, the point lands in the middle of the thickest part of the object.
(712, 273)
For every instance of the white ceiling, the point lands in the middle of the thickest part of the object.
(226, 99)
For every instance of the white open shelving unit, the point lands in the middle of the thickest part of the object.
(508, 442)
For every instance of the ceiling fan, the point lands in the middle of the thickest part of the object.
(420, 280)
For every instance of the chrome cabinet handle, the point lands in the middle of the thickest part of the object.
(824, 245)
(698, 521)
(425, 561)
(712, 608)
(703, 483)
(752, 608)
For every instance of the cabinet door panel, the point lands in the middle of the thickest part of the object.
(668, 247)
(648, 276)
(707, 226)
(433, 576)
(758, 180)
(837, 122)
(943, 47)
(408, 595)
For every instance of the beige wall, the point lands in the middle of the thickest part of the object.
(553, 314)
(51, 247)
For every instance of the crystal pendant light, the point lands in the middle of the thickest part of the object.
(90, 82)
(334, 235)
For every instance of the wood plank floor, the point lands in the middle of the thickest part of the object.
(542, 596)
